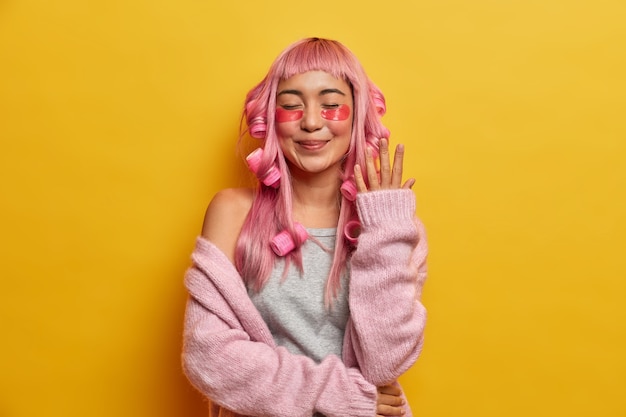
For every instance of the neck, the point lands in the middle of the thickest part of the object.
(316, 200)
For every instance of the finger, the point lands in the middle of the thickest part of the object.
(390, 390)
(398, 161)
(358, 179)
(372, 174)
(409, 183)
(391, 400)
(385, 166)
(386, 410)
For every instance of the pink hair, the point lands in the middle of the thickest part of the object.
(271, 210)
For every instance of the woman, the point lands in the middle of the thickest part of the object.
(304, 293)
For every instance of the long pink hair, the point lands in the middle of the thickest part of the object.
(271, 210)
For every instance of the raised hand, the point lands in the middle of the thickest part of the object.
(389, 177)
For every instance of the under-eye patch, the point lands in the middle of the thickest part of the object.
(285, 115)
(340, 113)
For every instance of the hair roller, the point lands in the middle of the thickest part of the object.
(352, 230)
(256, 119)
(283, 242)
(258, 128)
(348, 189)
(271, 177)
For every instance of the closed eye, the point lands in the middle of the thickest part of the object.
(291, 106)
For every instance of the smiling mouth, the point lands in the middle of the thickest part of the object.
(312, 145)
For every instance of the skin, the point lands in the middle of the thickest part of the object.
(314, 148)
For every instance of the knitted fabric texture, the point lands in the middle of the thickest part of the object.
(229, 354)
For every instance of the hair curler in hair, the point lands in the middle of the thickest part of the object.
(283, 242)
(348, 189)
(258, 128)
(352, 230)
(257, 122)
(271, 177)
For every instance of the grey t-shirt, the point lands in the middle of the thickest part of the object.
(294, 308)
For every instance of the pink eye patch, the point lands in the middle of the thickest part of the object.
(284, 115)
(342, 112)
(338, 114)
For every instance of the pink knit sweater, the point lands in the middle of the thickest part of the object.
(229, 353)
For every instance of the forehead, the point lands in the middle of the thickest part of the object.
(313, 82)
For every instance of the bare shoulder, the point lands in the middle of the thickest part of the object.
(224, 218)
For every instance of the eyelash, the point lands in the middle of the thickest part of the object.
(290, 107)
(298, 106)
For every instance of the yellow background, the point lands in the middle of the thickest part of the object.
(118, 122)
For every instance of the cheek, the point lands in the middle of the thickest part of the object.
(341, 127)
(286, 130)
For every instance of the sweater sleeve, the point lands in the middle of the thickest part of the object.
(388, 270)
(224, 358)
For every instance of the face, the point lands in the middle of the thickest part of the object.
(314, 113)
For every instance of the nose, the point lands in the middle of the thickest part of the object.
(311, 119)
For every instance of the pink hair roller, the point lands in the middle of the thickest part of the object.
(352, 230)
(283, 243)
(271, 177)
(258, 128)
(257, 125)
(348, 189)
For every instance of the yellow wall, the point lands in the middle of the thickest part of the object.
(118, 121)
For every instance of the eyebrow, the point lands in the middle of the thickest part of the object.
(322, 93)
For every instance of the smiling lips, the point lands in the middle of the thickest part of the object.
(312, 145)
